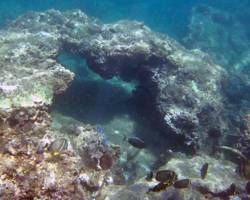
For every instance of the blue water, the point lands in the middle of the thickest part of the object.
(170, 17)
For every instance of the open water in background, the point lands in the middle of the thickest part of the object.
(165, 16)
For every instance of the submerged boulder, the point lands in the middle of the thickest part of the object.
(179, 89)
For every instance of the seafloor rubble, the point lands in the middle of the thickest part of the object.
(184, 168)
(179, 89)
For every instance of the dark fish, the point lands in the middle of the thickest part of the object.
(159, 187)
(231, 190)
(204, 171)
(135, 142)
(182, 183)
(226, 193)
(166, 176)
(106, 162)
(244, 170)
(149, 176)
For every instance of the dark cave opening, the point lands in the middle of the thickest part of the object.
(91, 100)
(119, 107)
(94, 101)
(124, 105)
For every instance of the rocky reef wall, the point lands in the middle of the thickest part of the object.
(225, 37)
(179, 89)
(184, 86)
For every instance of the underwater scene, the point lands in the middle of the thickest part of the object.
(124, 100)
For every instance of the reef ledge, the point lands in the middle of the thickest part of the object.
(179, 89)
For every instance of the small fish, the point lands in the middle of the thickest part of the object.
(231, 190)
(149, 176)
(159, 187)
(244, 171)
(58, 145)
(166, 176)
(226, 193)
(106, 162)
(135, 142)
(182, 183)
(204, 171)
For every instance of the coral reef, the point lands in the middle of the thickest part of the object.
(213, 31)
(28, 173)
(29, 74)
(179, 89)
(96, 151)
(29, 169)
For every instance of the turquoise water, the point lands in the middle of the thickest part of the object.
(169, 17)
